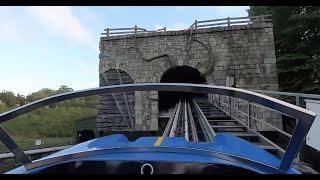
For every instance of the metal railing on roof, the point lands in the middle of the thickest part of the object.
(124, 31)
(230, 21)
(196, 25)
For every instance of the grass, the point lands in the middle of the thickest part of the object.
(4, 108)
(28, 144)
(54, 126)
(46, 122)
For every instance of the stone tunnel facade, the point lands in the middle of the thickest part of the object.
(243, 55)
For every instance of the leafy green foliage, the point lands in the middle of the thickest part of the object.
(21, 100)
(8, 98)
(297, 41)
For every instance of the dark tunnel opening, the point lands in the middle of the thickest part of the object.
(179, 74)
(85, 135)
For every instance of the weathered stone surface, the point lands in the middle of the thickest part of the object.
(245, 52)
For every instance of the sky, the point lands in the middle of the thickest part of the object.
(46, 47)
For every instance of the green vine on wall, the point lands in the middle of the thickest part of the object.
(207, 47)
(172, 63)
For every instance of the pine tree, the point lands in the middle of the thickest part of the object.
(297, 41)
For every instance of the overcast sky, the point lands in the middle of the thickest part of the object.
(46, 47)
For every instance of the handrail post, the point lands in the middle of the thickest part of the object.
(297, 120)
(229, 101)
(213, 100)
(135, 30)
(297, 104)
(237, 104)
(107, 32)
(249, 114)
(135, 36)
(228, 21)
(195, 24)
(298, 101)
(262, 18)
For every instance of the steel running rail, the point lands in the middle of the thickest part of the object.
(192, 125)
(204, 123)
(174, 127)
(181, 123)
(305, 117)
(171, 119)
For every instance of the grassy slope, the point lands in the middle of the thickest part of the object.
(46, 122)
(28, 144)
(42, 124)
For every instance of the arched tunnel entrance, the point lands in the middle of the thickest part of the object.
(179, 74)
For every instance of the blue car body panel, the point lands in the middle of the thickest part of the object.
(224, 143)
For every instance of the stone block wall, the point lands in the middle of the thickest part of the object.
(244, 52)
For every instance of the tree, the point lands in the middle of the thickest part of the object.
(43, 93)
(8, 98)
(297, 41)
(21, 99)
(64, 89)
